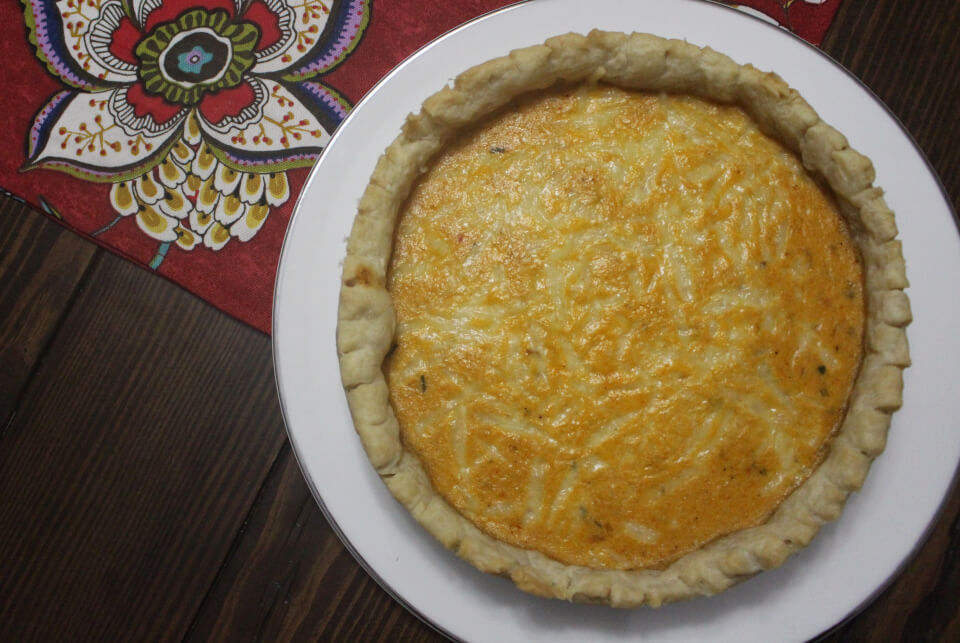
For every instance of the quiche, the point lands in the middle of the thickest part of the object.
(622, 319)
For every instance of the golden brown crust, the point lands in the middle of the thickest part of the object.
(636, 61)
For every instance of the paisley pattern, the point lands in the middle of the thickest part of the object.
(192, 109)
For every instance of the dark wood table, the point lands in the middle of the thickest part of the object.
(147, 489)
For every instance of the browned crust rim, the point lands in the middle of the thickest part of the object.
(644, 62)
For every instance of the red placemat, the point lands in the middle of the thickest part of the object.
(178, 133)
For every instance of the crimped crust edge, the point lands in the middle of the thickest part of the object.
(645, 62)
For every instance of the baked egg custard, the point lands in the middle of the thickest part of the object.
(627, 324)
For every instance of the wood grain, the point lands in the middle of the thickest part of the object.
(908, 54)
(131, 463)
(41, 267)
(290, 578)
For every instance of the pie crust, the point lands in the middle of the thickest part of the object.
(638, 62)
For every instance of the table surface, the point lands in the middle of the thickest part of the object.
(147, 488)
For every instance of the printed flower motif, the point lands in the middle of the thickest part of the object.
(193, 109)
(194, 36)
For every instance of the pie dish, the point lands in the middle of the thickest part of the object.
(366, 331)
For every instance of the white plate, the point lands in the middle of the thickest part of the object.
(848, 563)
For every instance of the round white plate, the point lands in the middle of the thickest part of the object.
(848, 563)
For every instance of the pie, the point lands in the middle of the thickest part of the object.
(622, 319)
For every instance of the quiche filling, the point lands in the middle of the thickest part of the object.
(627, 325)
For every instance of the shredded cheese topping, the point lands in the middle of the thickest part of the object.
(627, 324)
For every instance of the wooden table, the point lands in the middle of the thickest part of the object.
(147, 489)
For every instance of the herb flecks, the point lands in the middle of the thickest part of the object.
(423, 384)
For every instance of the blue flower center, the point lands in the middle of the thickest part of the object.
(196, 56)
(192, 62)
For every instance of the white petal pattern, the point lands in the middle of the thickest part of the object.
(306, 23)
(248, 116)
(182, 153)
(226, 179)
(87, 134)
(160, 226)
(171, 174)
(200, 221)
(123, 199)
(191, 130)
(287, 26)
(133, 124)
(251, 187)
(207, 197)
(175, 203)
(142, 8)
(277, 189)
(253, 219)
(204, 163)
(97, 43)
(187, 239)
(148, 190)
(286, 123)
(229, 209)
(79, 20)
(216, 237)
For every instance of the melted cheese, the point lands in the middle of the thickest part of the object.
(627, 325)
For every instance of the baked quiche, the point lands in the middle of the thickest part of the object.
(621, 319)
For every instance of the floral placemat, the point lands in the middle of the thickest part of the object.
(178, 133)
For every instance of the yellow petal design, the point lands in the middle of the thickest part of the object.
(122, 198)
(200, 221)
(186, 239)
(226, 179)
(181, 152)
(193, 183)
(191, 129)
(278, 190)
(171, 175)
(251, 188)
(207, 197)
(192, 198)
(156, 224)
(247, 227)
(204, 163)
(147, 190)
(229, 209)
(216, 237)
(175, 203)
